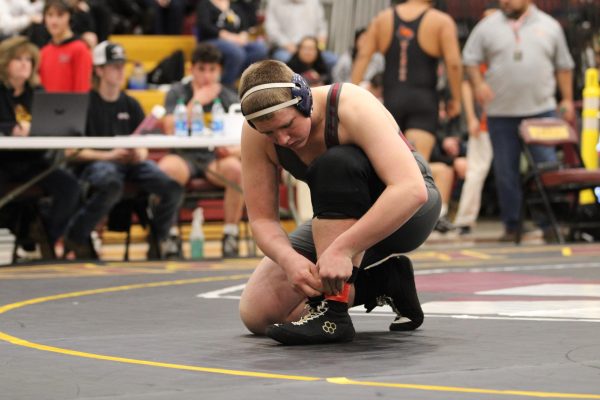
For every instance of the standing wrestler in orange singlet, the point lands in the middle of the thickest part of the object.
(413, 37)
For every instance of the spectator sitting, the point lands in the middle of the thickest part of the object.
(83, 23)
(249, 8)
(343, 68)
(17, 15)
(65, 62)
(111, 112)
(288, 21)
(309, 62)
(127, 16)
(224, 162)
(447, 163)
(221, 23)
(18, 81)
(167, 16)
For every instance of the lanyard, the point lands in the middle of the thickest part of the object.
(516, 26)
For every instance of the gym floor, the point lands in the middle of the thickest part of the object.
(502, 322)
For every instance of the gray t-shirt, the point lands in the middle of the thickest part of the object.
(342, 71)
(184, 90)
(521, 63)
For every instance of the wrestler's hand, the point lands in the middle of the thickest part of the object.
(335, 268)
(303, 276)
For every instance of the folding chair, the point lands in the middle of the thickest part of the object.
(134, 206)
(559, 182)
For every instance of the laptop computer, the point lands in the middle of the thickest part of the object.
(59, 114)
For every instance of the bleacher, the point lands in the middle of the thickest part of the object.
(149, 50)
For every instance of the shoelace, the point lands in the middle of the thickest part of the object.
(314, 311)
(381, 301)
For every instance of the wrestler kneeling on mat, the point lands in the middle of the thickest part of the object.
(373, 198)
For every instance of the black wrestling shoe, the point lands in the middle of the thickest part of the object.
(327, 321)
(397, 278)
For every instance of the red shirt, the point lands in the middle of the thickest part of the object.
(66, 67)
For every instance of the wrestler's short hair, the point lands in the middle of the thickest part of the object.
(268, 71)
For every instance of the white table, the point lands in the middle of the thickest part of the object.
(7, 143)
(114, 142)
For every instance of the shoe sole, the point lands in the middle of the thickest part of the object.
(289, 339)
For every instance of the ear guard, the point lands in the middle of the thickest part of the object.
(301, 97)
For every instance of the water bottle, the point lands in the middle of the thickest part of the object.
(197, 234)
(137, 79)
(181, 119)
(197, 119)
(218, 118)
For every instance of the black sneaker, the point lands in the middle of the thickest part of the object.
(83, 251)
(398, 290)
(230, 246)
(464, 230)
(327, 321)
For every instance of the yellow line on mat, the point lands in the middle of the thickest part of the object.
(476, 254)
(38, 300)
(252, 374)
(345, 381)
(75, 353)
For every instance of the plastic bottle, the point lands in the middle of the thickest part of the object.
(197, 119)
(181, 119)
(197, 234)
(151, 121)
(218, 118)
(138, 79)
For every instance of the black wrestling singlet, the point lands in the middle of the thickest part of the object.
(405, 62)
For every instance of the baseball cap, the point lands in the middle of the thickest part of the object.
(108, 53)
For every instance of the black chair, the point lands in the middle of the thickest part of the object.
(556, 183)
(135, 206)
(22, 216)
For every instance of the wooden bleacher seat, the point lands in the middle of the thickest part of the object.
(148, 98)
(149, 50)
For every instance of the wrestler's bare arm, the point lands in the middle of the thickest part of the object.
(259, 181)
(367, 124)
